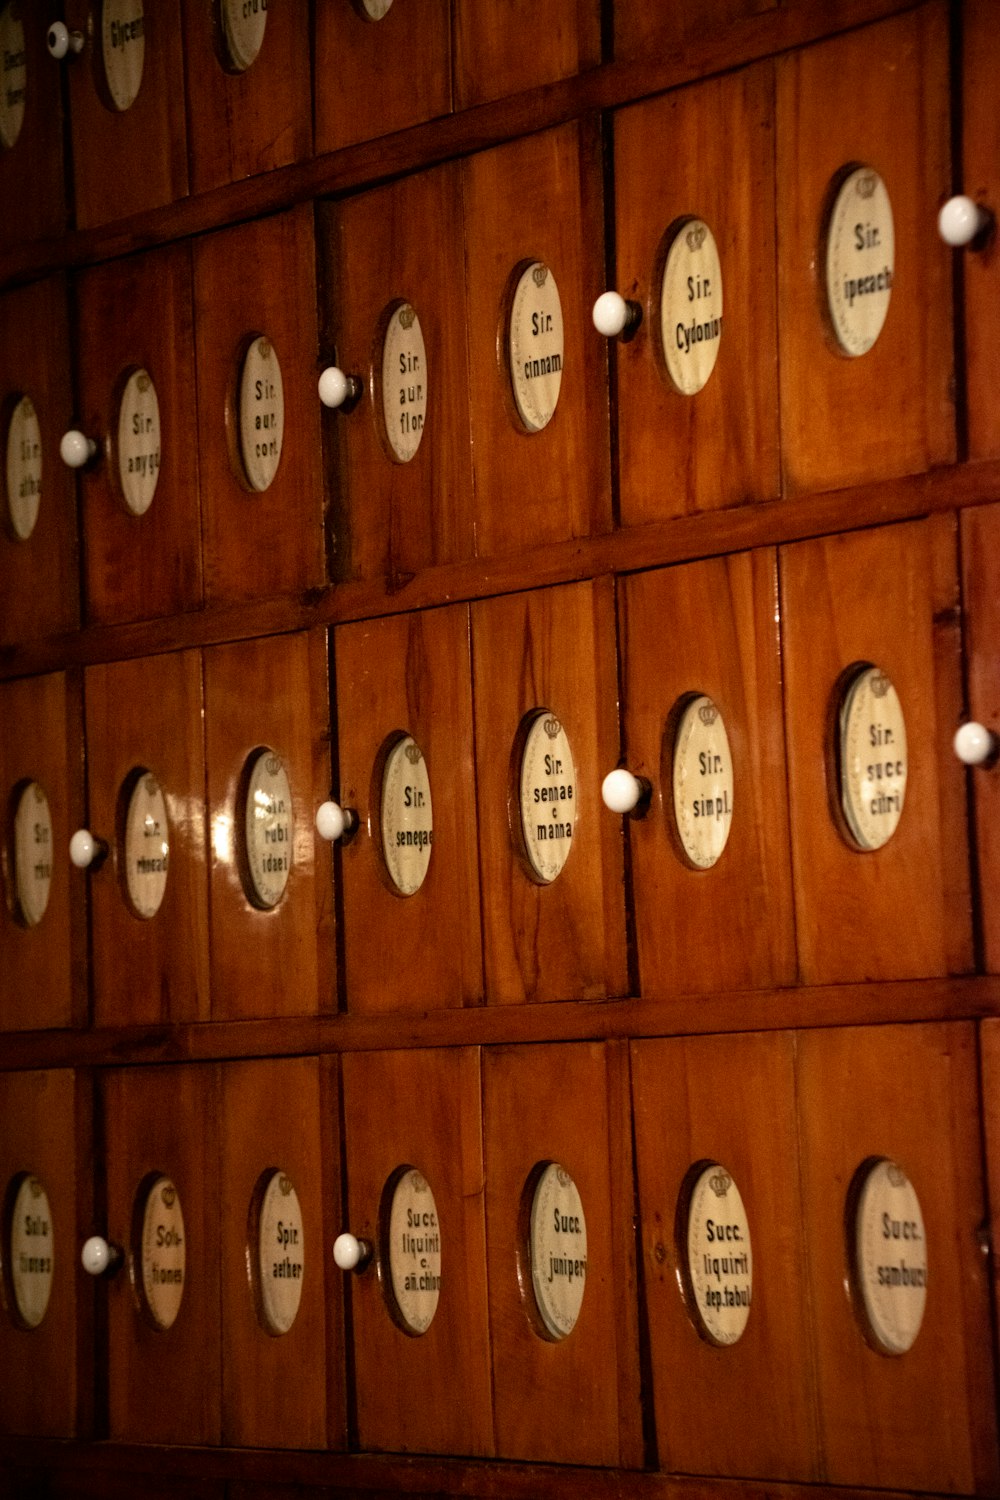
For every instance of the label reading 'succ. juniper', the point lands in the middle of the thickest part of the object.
(548, 796)
(860, 260)
(404, 383)
(557, 1249)
(163, 1253)
(535, 346)
(691, 307)
(13, 73)
(414, 1251)
(719, 1256)
(261, 414)
(31, 1251)
(890, 1256)
(123, 49)
(872, 758)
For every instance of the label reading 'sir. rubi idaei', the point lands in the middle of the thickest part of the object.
(872, 758)
(890, 1257)
(548, 796)
(557, 1245)
(860, 260)
(535, 346)
(703, 782)
(123, 50)
(407, 816)
(404, 383)
(719, 1256)
(261, 414)
(691, 307)
(163, 1253)
(280, 1253)
(268, 828)
(414, 1251)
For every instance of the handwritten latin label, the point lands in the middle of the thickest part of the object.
(557, 1245)
(32, 853)
(123, 47)
(268, 829)
(407, 816)
(535, 346)
(404, 383)
(31, 1251)
(872, 758)
(375, 10)
(691, 307)
(262, 414)
(147, 846)
(415, 1251)
(243, 26)
(138, 442)
(548, 796)
(891, 1257)
(703, 782)
(14, 63)
(24, 468)
(860, 260)
(280, 1253)
(163, 1253)
(719, 1255)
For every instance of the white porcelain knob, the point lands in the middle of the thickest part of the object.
(335, 388)
(974, 744)
(62, 42)
(76, 449)
(97, 1256)
(85, 849)
(622, 792)
(351, 1254)
(334, 821)
(614, 316)
(961, 219)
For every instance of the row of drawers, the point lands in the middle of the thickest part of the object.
(790, 713)
(512, 1254)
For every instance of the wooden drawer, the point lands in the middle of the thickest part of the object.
(643, 31)
(502, 49)
(32, 180)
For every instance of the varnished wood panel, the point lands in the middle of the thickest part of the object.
(671, 30)
(501, 49)
(410, 674)
(980, 534)
(980, 265)
(731, 925)
(32, 174)
(549, 650)
(426, 1393)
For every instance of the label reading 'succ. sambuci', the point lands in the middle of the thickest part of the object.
(535, 346)
(860, 260)
(123, 49)
(891, 1256)
(548, 796)
(691, 307)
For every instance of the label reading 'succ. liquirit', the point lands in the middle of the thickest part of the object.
(415, 1251)
(719, 1255)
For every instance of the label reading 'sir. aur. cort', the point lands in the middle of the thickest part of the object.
(280, 1253)
(243, 25)
(32, 853)
(719, 1256)
(557, 1246)
(703, 782)
(414, 1251)
(404, 383)
(890, 1257)
(138, 443)
(860, 260)
(147, 846)
(691, 307)
(872, 758)
(31, 1251)
(268, 828)
(163, 1253)
(123, 49)
(24, 468)
(407, 816)
(13, 73)
(261, 414)
(548, 796)
(535, 346)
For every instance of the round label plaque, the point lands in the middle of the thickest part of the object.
(703, 782)
(138, 442)
(407, 816)
(31, 1252)
(691, 307)
(24, 468)
(719, 1256)
(535, 346)
(860, 259)
(280, 1253)
(32, 853)
(557, 1243)
(163, 1253)
(268, 829)
(243, 26)
(404, 383)
(890, 1257)
(376, 10)
(872, 758)
(548, 797)
(261, 414)
(414, 1251)
(147, 846)
(14, 62)
(123, 48)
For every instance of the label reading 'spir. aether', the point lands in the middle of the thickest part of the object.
(123, 50)
(407, 816)
(138, 442)
(24, 468)
(703, 782)
(535, 346)
(548, 795)
(261, 414)
(415, 1251)
(31, 1251)
(557, 1245)
(280, 1253)
(147, 846)
(691, 307)
(163, 1253)
(891, 1257)
(268, 829)
(872, 758)
(404, 383)
(719, 1256)
(860, 260)
(32, 853)
(13, 73)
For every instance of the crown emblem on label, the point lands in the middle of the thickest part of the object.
(720, 1182)
(39, 794)
(35, 1187)
(540, 275)
(418, 1182)
(552, 726)
(149, 785)
(866, 184)
(696, 236)
(895, 1174)
(168, 1194)
(880, 684)
(284, 1185)
(563, 1177)
(143, 383)
(406, 316)
(413, 753)
(264, 348)
(708, 713)
(272, 765)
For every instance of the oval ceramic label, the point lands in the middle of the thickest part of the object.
(163, 1252)
(414, 1251)
(703, 782)
(548, 797)
(31, 1252)
(147, 846)
(404, 383)
(243, 25)
(860, 260)
(280, 1253)
(891, 1257)
(268, 829)
(872, 758)
(138, 442)
(691, 307)
(24, 468)
(123, 48)
(535, 346)
(557, 1242)
(407, 816)
(14, 62)
(719, 1256)
(261, 414)
(32, 853)
(375, 10)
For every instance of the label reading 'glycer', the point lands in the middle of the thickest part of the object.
(535, 346)
(123, 48)
(548, 795)
(557, 1245)
(243, 26)
(31, 1251)
(261, 414)
(138, 442)
(14, 75)
(32, 853)
(404, 383)
(407, 816)
(719, 1256)
(872, 758)
(163, 1252)
(280, 1253)
(147, 846)
(691, 307)
(860, 260)
(891, 1257)
(703, 782)
(268, 829)
(414, 1251)
(24, 468)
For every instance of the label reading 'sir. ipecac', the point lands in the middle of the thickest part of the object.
(138, 444)
(703, 782)
(557, 1249)
(280, 1253)
(14, 74)
(31, 1251)
(535, 346)
(268, 829)
(407, 816)
(24, 468)
(123, 50)
(261, 414)
(873, 768)
(243, 25)
(691, 307)
(719, 1256)
(860, 260)
(404, 383)
(414, 1251)
(147, 846)
(163, 1253)
(890, 1256)
(548, 797)
(32, 853)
